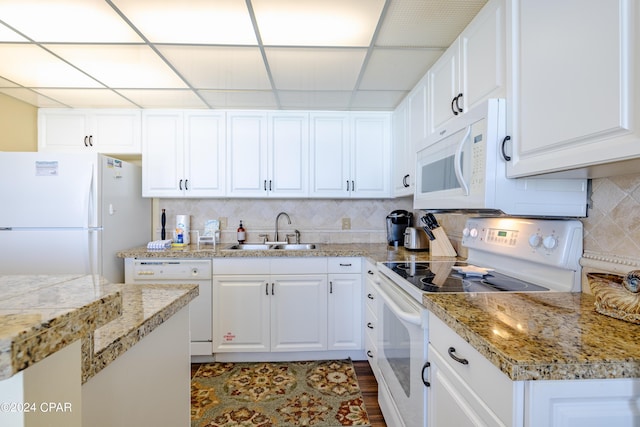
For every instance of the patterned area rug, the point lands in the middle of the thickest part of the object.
(317, 393)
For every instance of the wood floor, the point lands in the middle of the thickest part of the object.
(368, 387)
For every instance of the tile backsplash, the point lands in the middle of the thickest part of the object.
(318, 220)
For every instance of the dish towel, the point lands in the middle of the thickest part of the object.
(472, 270)
(159, 244)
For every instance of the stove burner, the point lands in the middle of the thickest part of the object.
(413, 267)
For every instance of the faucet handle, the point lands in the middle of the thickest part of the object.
(290, 235)
(264, 237)
(297, 236)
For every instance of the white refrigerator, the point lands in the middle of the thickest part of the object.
(70, 213)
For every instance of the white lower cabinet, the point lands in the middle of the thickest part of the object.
(286, 305)
(371, 316)
(477, 393)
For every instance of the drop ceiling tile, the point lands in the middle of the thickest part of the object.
(426, 23)
(315, 69)
(38, 68)
(210, 67)
(317, 23)
(240, 99)
(121, 66)
(8, 35)
(67, 21)
(7, 83)
(167, 98)
(193, 21)
(318, 100)
(87, 98)
(384, 100)
(397, 69)
(31, 97)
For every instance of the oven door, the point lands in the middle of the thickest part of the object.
(402, 355)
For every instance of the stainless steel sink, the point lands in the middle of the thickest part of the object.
(296, 246)
(250, 247)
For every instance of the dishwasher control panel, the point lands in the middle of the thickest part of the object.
(158, 270)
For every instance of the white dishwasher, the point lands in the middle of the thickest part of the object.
(138, 271)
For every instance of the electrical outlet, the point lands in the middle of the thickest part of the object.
(223, 222)
(346, 223)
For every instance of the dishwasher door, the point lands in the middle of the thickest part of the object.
(179, 271)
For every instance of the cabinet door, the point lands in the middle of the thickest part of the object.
(330, 156)
(443, 87)
(205, 146)
(345, 312)
(288, 163)
(247, 154)
(162, 154)
(240, 313)
(117, 131)
(482, 56)
(573, 102)
(402, 177)
(370, 152)
(62, 130)
(299, 313)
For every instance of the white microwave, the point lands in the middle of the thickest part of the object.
(464, 170)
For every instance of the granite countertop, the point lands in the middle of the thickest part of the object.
(144, 308)
(40, 315)
(542, 336)
(374, 251)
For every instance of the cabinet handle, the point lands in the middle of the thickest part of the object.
(270, 189)
(456, 358)
(504, 153)
(424, 368)
(345, 265)
(347, 185)
(91, 140)
(404, 181)
(186, 184)
(370, 272)
(458, 98)
(453, 108)
(369, 353)
(265, 185)
(266, 289)
(353, 186)
(86, 139)
(331, 287)
(180, 185)
(370, 296)
(370, 325)
(272, 285)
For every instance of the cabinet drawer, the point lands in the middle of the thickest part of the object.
(345, 265)
(370, 320)
(241, 266)
(303, 265)
(486, 380)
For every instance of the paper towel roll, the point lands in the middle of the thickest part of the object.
(183, 225)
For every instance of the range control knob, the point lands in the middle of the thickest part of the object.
(535, 240)
(465, 232)
(550, 242)
(473, 232)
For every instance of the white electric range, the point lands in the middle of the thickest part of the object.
(504, 255)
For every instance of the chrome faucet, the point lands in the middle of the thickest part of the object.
(275, 236)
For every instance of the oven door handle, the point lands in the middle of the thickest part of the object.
(408, 316)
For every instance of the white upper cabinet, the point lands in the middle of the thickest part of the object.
(330, 154)
(183, 153)
(471, 70)
(370, 155)
(402, 178)
(574, 86)
(268, 154)
(109, 131)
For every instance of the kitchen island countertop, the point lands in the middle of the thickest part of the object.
(40, 315)
(542, 336)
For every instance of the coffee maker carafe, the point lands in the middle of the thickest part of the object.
(397, 222)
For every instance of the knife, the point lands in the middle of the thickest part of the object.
(428, 227)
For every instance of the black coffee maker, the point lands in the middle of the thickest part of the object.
(397, 222)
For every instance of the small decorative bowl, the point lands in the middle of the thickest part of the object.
(613, 297)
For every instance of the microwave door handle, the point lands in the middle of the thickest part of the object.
(458, 163)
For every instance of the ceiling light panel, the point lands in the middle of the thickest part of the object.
(240, 99)
(31, 97)
(191, 22)
(61, 21)
(317, 23)
(426, 23)
(210, 67)
(325, 100)
(121, 66)
(8, 35)
(315, 69)
(382, 100)
(167, 98)
(38, 68)
(88, 98)
(397, 69)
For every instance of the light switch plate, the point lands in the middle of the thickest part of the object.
(346, 223)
